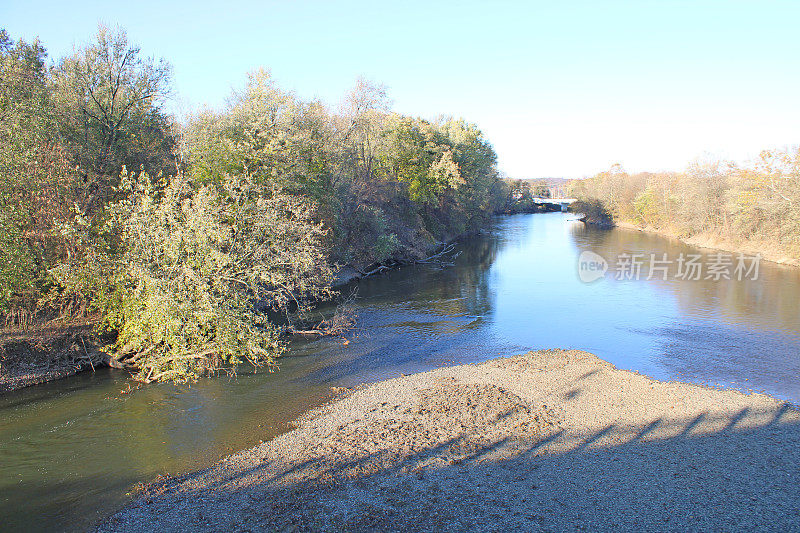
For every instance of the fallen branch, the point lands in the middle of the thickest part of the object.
(380, 268)
(440, 259)
(437, 259)
(91, 363)
(128, 360)
(342, 320)
(447, 249)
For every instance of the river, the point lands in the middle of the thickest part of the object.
(70, 450)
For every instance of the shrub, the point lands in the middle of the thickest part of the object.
(594, 212)
(196, 265)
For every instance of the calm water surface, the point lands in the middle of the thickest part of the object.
(70, 450)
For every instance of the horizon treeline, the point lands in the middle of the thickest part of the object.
(182, 238)
(756, 206)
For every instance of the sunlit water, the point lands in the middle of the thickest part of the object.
(70, 450)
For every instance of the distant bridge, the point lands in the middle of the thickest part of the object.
(562, 203)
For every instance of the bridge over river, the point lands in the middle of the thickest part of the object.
(562, 203)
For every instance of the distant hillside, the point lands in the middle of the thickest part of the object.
(550, 182)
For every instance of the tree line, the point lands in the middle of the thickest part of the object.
(194, 242)
(757, 205)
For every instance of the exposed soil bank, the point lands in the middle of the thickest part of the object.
(45, 353)
(550, 440)
(703, 240)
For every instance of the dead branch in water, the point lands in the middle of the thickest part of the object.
(342, 320)
(447, 249)
(380, 268)
(440, 259)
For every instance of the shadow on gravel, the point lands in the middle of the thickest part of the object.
(707, 472)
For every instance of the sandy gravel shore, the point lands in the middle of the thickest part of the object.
(552, 441)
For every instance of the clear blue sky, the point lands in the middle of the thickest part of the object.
(561, 88)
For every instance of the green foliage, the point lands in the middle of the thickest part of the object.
(65, 134)
(195, 266)
(422, 159)
(263, 134)
(16, 262)
(646, 208)
(34, 176)
(540, 190)
(111, 98)
(385, 246)
(229, 225)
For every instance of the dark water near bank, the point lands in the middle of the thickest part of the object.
(70, 450)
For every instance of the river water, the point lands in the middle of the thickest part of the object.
(70, 450)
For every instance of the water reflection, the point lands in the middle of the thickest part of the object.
(740, 333)
(70, 450)
(413, 319)
(769, 302)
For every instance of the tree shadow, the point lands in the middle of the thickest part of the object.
(708, 471)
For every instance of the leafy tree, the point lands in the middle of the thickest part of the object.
(594, 212)
(111, 99)
(199, 265)
(755, 204)
(35, 179)
(476, 160)
(422, 159)
(225, 228)
(646, 208)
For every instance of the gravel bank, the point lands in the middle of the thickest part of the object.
(551, 440)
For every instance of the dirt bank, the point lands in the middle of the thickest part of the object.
(45, 353)
(551, 440)
(767, 249)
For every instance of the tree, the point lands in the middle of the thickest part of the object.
(422, 158)
(476, 160)
(594, 212)
(35, 178)
(540, 189)
(364, 200)
(755, 203)
(199, 245)
(264, 133)
(111, 99)
(200, 269)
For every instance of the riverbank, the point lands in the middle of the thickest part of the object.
(767, 250)
(46, 353)
(51, 351)
(550, 440)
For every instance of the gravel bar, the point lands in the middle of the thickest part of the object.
(555, 440)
